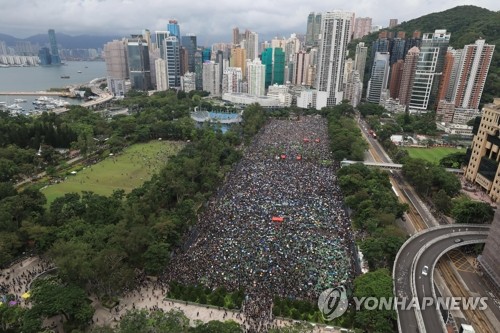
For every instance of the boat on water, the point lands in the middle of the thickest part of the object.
(79, 72)
(15, 107)
(64, 76)
(20, 100)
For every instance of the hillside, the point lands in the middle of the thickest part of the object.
(466, 24)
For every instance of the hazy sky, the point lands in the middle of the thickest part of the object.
(211, 21)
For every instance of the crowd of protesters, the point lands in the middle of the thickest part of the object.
(277, 227)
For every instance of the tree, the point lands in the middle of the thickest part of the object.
(8, 169)
(380, 252)
(376, 284)
(455, 160)
(465, 210)
(229, 326)
(417, 172)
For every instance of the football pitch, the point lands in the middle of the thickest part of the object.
(433, 155)
(126, 170)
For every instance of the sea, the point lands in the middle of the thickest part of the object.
(36, 78)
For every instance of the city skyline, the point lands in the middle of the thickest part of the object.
(119, 17)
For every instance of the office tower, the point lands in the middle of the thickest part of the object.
(267, 60)
(397, 49)
(313, 29)
(198, 70)
(188, 82)
(223, 64)
(138, 63)
(115, 55)
(393, 23)
(408, 75)
(362, 27)
(161, 74)
(190, 44)
(206, 54)
(301, 66)
(238, 59)
(474, 66)
(279, 66)
(379, 77)
(256, 77)
(54, 51)
(489, 259)
(174, 29)
(160, 37)
(483, 168)
(252, 46)
(395, 81)
(172, 61)
(236, 36)
(211, 78)
(429, 68)
(360, 59)
(381, 44)
(335, 31)
(231, 80)
(146, 34)
(44, 56)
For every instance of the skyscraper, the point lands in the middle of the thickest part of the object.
(161, 74)
(160, 37)
(238, 59)
(174, 29)
(256, 77)
(313, 29)
(189, 43)
(138, 63)
(429, 68)
(231, 81)
(267, 60)
(252, 46)
(211, 78)
(408, 75)
(393, 23)
(173, 61)
(335, 31)
(115, 55)
(395, 81)
(360, 59)
(301, 65)
(198, 69)
(54, 51)
(474, 66)
(379, 77)
(362, 27)
(279, 66)
(236, 36)
(397, 49)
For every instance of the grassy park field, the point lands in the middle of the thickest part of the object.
(126, 170)
(432, 155)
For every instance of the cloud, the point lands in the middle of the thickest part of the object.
(211, 21)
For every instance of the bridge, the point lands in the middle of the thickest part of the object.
(390, 166)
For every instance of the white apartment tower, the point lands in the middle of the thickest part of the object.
(231, 80)
(335, 33)
(256, 77)
(115, 55)
(211, 78)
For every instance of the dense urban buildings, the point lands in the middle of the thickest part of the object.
(362, 27)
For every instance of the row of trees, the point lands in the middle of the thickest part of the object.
(203, 295)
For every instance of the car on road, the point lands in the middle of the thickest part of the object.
(458, 240)
(425, 270)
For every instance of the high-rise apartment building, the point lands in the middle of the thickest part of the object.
(198, 69)
(362, 27)
(379, 77)
(483, 168)
(429, 69)
(313, 29)
(256, 77)
(161, 74)
(408, 75)
(211, 78)
(54, 50)
(236, 36)
(335, 33)
(238, 59)
(360, 59)
(474, 65)
(393, 23)
(231, 80)
(353, 88)
(278, 66)
(188, 82)
(172, 61)
(395, 80)
(252, 46)
(138, 63)
(3, 48)
(301, 66)
(115, 55)
(174, 29)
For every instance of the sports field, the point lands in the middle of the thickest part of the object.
(432, 155)
(126, 170)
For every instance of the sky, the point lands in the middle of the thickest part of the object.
(211, 21)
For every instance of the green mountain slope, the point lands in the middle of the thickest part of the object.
(466, 24)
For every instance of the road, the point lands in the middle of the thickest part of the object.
(403, 267)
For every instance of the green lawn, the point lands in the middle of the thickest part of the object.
(126, 170)
(432, 155)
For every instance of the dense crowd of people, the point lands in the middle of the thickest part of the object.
(277, 227)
